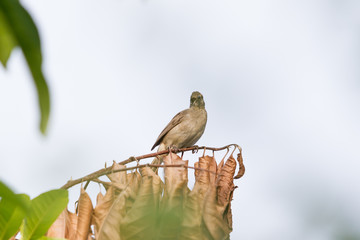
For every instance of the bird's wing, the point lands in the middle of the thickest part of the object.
(175, 121)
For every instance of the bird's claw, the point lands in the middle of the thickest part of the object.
(196, 149)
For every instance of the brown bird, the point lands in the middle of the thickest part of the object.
(186, 128)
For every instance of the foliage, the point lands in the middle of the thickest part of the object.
(35, 216)
(139, 205)
(18, 29)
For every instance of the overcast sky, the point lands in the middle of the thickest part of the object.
(279, 78)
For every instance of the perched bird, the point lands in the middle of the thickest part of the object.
(186, 128)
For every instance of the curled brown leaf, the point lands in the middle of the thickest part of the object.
(241, 165)
(85, 209)
(225, 188)
(202, 177)
(73, 220)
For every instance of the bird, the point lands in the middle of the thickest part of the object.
(185, 128)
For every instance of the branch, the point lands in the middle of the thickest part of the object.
(109, 170)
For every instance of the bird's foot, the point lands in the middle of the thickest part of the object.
(196, 149)
(173, 149)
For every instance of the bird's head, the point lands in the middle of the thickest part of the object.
(197, 100)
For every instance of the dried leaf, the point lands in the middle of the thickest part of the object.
(225, 188)
(196, 173)
(64, 227)
(85, 209)
(214, 226)
(141, 210)
(102, 207)
(58, 228)
(175, 177)
(99, 198)
(192, 225)
(119, 179)
(212, 168)
(141, 219)
(145, 172)
(110, 228)
(111, 224)
(192, 217)
(202, 178)
(220, 166)
(133, 180)
(225, 182)
(217, 203)
(175, 191)
(117, 176)
(241, 165)
(72, 226)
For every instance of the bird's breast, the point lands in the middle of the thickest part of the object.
(189, 130)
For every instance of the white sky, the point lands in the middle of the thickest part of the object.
(279, 78)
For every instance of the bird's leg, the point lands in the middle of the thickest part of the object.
(182, 154)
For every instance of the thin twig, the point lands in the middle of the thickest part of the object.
(109, 170)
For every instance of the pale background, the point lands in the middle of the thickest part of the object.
(279, 78)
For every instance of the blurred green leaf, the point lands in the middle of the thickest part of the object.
(43, 212)
(50, 238)
(7, 40)
(8, 194)
(11, 216)
(18, 26)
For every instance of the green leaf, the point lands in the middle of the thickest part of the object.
(7, 40)
(50, 238)
(11, 216)
(43, 212)
(16, 18)
(8, 194)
